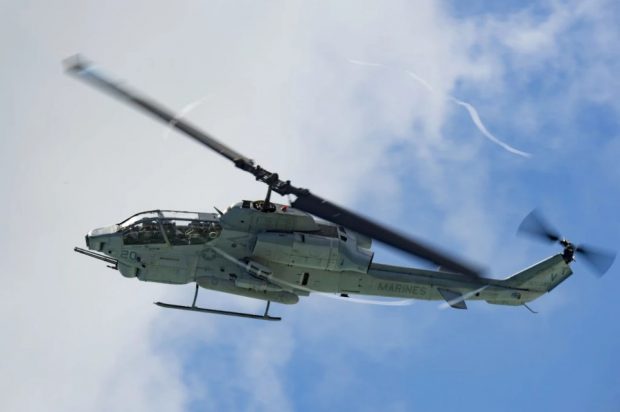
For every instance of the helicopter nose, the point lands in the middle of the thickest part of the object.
(95, 242)
(97, 238)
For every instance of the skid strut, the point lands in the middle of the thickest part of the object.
(195, 308)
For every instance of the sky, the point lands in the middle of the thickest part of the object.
(402, 110)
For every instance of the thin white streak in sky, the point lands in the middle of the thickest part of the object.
(402, 302)
(421, 81)
(184, 111)
(361, 63)
(473, 113)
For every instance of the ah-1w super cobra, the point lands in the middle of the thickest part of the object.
(278, 253)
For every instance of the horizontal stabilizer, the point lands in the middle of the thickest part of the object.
(454, 299)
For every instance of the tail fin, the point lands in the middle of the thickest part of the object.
(541, 277)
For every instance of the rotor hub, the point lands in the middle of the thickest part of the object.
(569, 250)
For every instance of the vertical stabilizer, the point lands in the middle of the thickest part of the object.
(541, 277)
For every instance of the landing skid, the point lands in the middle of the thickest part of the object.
(195, 308)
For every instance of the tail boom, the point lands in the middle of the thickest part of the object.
(518, 289)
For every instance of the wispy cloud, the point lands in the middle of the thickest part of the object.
(473, 113)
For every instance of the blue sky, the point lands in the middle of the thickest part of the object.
(278, 85)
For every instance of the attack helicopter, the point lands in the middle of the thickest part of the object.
(278, 253)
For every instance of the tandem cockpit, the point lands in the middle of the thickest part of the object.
(166, 227)
(173, 227)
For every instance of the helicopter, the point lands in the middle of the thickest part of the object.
(278, 252)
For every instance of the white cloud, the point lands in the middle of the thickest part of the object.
(283, 93)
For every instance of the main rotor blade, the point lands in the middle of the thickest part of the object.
(336, 214)
(86, 71)
(535, 225)
(305, 200)
(600, 260)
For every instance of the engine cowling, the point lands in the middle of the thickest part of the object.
(313, 251)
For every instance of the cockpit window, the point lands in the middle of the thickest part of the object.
(166, 214)
(190, 232)
(179, 228)
(145, 232)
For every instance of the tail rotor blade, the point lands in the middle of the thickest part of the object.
(600, 260)
(535, 225)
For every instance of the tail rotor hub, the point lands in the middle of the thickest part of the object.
(569, 250)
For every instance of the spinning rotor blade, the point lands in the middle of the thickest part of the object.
(305, 200)
(86, 71)
(535, 225)
(600, 260)
(336, 214)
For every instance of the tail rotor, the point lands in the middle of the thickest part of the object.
(535, 225)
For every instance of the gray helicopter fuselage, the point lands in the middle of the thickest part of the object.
(281, 253)
(278, 253)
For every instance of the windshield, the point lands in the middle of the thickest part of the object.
(144, 232)
(175, 227)
(190, 232)
(170, 214)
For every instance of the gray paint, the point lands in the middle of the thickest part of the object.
(284, 254)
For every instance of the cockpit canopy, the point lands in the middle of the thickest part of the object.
(170, 226)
